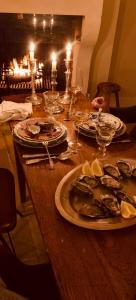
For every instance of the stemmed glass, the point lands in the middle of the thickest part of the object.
(105, 132)
(79, 117)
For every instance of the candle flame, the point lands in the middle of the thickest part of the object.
(32, 46)
(53, 56)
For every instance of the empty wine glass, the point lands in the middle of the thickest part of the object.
(79, 117)
(105, 132)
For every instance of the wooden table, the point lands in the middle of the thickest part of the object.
(87, 264)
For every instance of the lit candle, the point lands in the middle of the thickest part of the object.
(32, 47)
(68, 51)
(54, 61)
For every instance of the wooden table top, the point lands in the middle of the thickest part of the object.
(88, 264)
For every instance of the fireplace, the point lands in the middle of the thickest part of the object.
(49, 32)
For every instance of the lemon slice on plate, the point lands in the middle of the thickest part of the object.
(86, 169)
(93, 169)
(127, 210)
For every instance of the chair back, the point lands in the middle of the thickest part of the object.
(126, 114)
(7, 201)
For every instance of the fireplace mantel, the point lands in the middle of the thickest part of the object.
(91, 10)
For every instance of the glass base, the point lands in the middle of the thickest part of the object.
(34, 99)
(74, 146)
(66, 98)
(57, 109)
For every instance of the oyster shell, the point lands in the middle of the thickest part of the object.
(124, 168)
(123, 196)
(112, 170)
(91, 210)
(110, 182)
(33, 129)
(45, 126)
(134, 172)
(92, 181)
(111, 203)
(80, 187)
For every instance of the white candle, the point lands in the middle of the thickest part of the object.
(68, 51)
(32, 48)
(54, 61)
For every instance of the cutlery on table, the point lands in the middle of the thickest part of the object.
(51, 163)
(63, 156)
(122, 141)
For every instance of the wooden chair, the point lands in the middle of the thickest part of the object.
(7, 206)
(108, 88)
(126, 114)
(35, 282)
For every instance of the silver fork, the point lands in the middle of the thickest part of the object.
(51, 163)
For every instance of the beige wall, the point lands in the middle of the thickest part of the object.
(114, 57)
(123, 66)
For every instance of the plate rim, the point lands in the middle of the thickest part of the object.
(64, 130)
(84, 224)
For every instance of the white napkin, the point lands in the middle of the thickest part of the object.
(15, 111)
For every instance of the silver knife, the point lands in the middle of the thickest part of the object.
(35, 155)
(122, 141)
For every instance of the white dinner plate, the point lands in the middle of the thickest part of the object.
(22, 134)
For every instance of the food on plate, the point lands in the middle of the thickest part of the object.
(93, 169)
(112, 170)
(96, 194)
(124, 168)
(134, 172)
(110, 182)
(92, 181)
(45, 126)
(33, 129)
(86, 169)
(127, 210)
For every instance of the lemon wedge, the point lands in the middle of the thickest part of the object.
(127, 210)
(86, 169)
(96, 168)
(93, 169)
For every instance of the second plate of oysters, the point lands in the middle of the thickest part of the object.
(95, 202)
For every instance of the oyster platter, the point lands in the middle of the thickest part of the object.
(33, 131)
(88, 127)
(103, 201)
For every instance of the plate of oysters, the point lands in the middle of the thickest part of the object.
(88, 127)
(98, 202)
(34, 131)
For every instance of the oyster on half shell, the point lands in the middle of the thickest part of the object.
(112, 170)
(110, 182)
(33, 129)
(111, 203)
(80, 187)
(124, 168)
(92, 181)
(91, 210)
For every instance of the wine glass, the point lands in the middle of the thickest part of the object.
(105, 132)
(79, 117)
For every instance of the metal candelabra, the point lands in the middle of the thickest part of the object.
(66, 99)
(34, 99)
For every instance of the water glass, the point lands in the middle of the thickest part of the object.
(52, 105)
(104, 135)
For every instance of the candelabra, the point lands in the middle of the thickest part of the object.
(66, 98)
(53, 80)
(34, 99)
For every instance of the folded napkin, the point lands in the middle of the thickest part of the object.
(15, 111)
